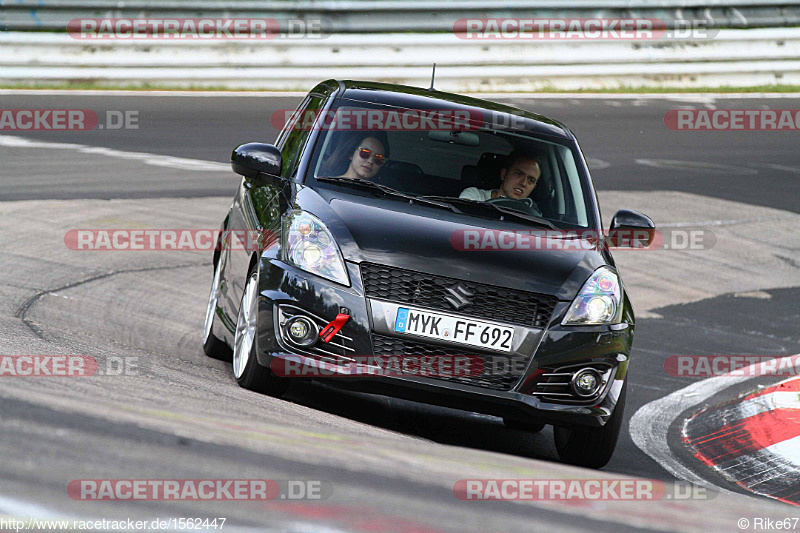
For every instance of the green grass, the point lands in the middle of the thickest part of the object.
(615, 90)
(667, 90)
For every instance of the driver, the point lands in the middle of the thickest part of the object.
(518, 179)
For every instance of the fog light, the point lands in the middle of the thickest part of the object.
(586, 382)
(302, 331)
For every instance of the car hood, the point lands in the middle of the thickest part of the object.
(392, 232)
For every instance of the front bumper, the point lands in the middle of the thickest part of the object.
(542, 352)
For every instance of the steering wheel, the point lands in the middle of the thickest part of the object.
(520, 205)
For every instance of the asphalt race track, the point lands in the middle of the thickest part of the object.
(384, 465)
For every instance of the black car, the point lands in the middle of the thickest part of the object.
(432, 247)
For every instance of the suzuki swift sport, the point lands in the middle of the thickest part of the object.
(432, 247)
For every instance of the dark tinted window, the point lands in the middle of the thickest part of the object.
(295, 134)
(451, 160)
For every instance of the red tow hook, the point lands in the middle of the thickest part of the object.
(333, 327)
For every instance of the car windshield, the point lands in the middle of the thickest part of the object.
(451, 161)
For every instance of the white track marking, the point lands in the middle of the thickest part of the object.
(650, 424)
(732, 222)
(759, 470)
(182, 163)
(18, 508)
(597, 164)
(789, 449)
(785, 168)
(767, 402)
(696, 166)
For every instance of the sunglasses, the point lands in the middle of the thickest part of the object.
(365, 153)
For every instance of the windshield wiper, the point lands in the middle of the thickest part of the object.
(364, 184)
(378, 187)
(483, 207)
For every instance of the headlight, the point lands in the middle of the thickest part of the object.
(599, 302)
(309, 245)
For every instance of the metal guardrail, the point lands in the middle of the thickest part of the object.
(732, 57)
(380, 16)
(397, 40)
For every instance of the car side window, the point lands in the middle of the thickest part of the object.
(294, 135)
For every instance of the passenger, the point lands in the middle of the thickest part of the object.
(359, 157)
(518, 179)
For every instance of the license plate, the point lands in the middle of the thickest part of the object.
(454, 329)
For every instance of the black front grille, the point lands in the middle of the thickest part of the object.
(487, 301)
(494, 375)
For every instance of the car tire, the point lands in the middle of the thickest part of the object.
(212, 345)
(591, 447)
(247, 370)
(531, 427)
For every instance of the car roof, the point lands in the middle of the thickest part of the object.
(405, 96)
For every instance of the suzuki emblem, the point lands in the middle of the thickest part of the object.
(458, 296)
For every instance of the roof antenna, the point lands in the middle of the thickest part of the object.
(433, 75)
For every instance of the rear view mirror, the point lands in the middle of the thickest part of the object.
(631, 229)
(252, 159)
(458, 137)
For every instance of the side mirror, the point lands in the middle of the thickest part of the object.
(631, 229)
(252, 159)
